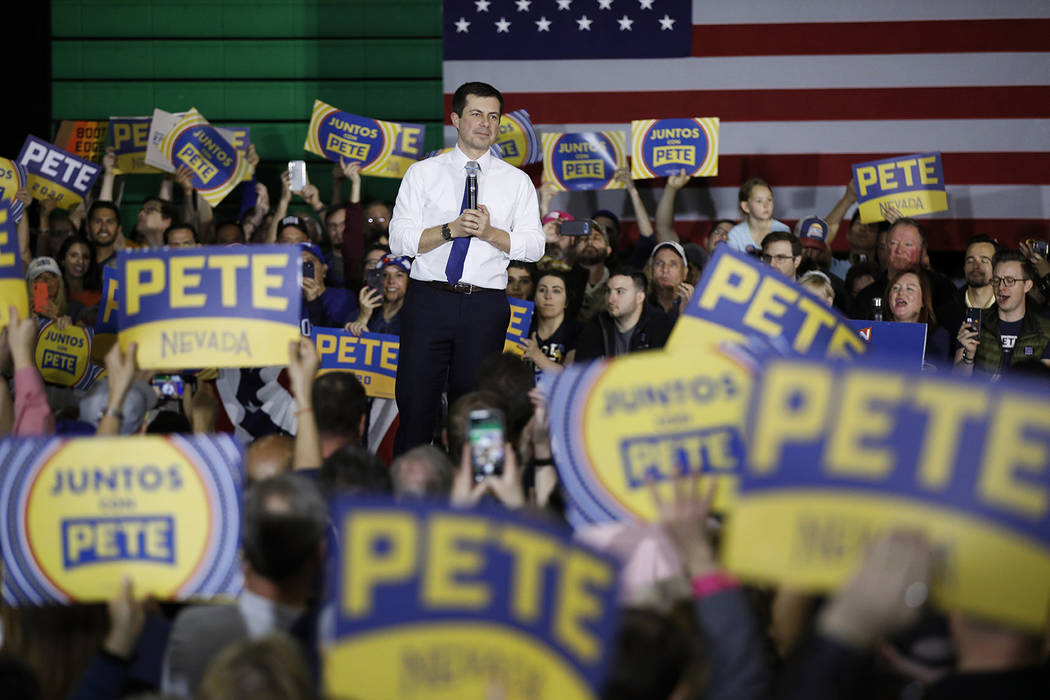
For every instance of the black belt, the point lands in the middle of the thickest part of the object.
(459, 287)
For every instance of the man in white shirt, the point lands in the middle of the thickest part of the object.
(456, 311)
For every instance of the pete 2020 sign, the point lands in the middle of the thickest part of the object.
(583, 161)
(742, 301)
(56, 173)
(839, 454)
(79, 514)
(913, 184)
(12, 279)
(618, 425)
(509, 607)
(384, 149)
(209, 307)
(661, 147)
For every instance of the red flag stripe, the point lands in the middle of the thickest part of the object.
(846, 38)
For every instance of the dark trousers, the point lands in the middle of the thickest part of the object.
(444, 338)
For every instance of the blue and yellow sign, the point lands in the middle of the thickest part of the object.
(12, 278)
(429, 602)
(517, 141)
(80, 514)
(372, 357)
(913, 184)
(740, 300)
(12, 177)
(106, 319)
(893, 341)
(53, 172)
(64, 356)
(583, 161)
(385, 149)
(518, 328)
(129, 137)
(210, 307)
(662, 147)
(617, 425)
(839, 454)
(218, 167)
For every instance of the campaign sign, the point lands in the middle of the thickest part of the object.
(217, 166)
(64, 356)
(384, 149)
(517, 141)
(372, 357)
(617, 425)
(429, 602)
(583, 161)
(742, 301)
(56, 173)
(129, 137)
(12, 177)
(79, 514)
(662, 147)
(106, 319)
(12, 278)
(893, 341)
(83, 138)
(838, 454)
(518, 328)
(913, 184)
(209, 307)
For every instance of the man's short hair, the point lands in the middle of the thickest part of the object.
(103, 204)
(353, 469)
(176, 227)
(339, 401)
(636, 275)
(284, 520)
(458, 421)
(774, 236)
(984, 238)
(459, 98)
(333, 208)
(512, 377)
(1027, 267)
(909, 221)
(439, 481)
(167, 208)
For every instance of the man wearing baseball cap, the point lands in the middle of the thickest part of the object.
(667, 287)
(293, 229)
(331, 307)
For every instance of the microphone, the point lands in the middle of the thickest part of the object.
(472, 184)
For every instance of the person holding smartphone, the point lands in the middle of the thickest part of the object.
(384, 289)
(47, 291)
(463, 216)
(330, 307)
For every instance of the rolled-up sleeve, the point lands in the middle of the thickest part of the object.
(526, 237)
(406, 223)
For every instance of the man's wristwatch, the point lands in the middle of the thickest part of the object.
(446, 232)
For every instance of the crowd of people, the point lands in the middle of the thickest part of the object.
(366, 268)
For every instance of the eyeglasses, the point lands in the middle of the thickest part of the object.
(779, 258)
(1008, 281)
(152, 210)
(376, 220)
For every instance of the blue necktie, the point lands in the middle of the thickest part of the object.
(454, 266)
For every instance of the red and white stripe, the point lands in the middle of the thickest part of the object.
(807, 88)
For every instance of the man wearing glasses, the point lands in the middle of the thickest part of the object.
(1010, 334)
(783, 252)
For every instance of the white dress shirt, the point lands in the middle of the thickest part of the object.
(431, 194)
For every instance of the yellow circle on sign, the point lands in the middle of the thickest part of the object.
(102, 508)
(63, 356)
(653, 415)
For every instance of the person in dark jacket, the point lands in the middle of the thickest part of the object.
(627, 324)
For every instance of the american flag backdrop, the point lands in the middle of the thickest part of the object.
(803, 88)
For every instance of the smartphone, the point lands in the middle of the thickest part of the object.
(40, 297)
(374, 279)
(308, 269)
(973, 319)
(170, 386)
(297, 175)
(1039, 247)
(487, 439)
(576, 228)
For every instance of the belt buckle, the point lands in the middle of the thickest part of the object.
(463, 288)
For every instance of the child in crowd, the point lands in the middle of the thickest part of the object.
(756, 203)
